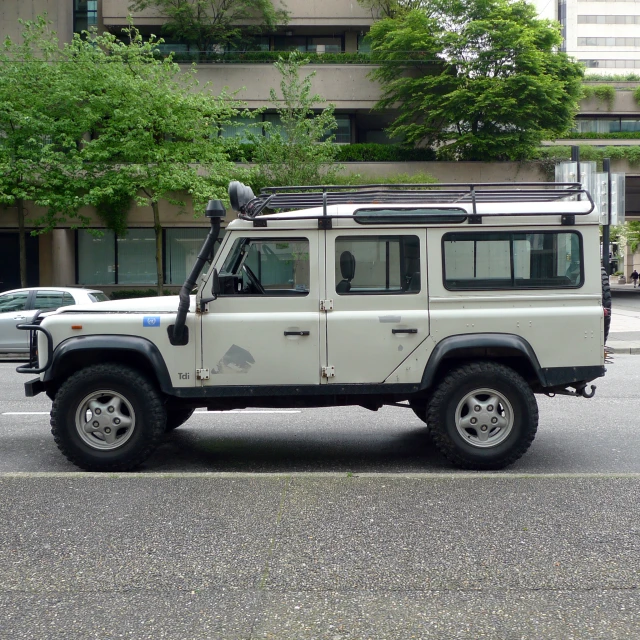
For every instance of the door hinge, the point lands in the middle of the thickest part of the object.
(326, 305)
(202, 374)
(328, 372)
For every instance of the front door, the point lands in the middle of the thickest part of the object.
(13, 312)
(264, 328)
(377, 281)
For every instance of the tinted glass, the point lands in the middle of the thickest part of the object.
(379, 264)
(13, 302)
(269, 267)
(48, 300)
(543, 260)
(98, 296)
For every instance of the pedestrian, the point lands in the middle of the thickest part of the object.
(634, 276)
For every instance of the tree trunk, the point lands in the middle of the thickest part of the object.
(157, 227)
(23, 244)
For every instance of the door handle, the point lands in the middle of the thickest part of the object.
(404, 331)
(296, 333)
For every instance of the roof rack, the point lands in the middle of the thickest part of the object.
(307, 197)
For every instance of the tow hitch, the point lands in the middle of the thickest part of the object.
(579, 391)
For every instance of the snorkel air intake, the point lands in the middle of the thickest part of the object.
(215, 212)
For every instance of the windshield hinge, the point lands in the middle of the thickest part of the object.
(328, 372)
(326, 305)
(202, 374)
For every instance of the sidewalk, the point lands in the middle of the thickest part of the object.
(624, 335)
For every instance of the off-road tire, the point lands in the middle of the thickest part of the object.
(450, 395)
(148, 424)
(606, 303)
(176, 417)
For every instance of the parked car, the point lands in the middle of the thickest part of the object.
(19, 306)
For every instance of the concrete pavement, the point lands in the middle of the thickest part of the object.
(624, 335)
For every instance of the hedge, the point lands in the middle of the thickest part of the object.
(364, 152)
(268, 57)
(125, 294)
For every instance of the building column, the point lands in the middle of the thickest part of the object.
(63, 258)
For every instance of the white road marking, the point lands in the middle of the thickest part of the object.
(46, 413)
(26, 413)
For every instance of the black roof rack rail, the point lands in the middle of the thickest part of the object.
(308, 197)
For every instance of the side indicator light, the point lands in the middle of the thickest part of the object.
(76, 326)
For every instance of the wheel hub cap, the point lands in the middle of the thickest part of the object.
(105, 420)
(484, 418)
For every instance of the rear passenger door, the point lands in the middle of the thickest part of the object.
(377, 280)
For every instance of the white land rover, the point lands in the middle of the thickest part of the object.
(460, 301)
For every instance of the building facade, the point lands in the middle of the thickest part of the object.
(603, 34)
(69, 257)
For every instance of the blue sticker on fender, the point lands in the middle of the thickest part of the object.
(151, 321)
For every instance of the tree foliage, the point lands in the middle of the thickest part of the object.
(153, 136)
(209, 23)
(39, 153)
(391, 8)
(481, 79)
(299, 149)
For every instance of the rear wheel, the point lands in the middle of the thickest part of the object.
(483, 415)
(107, 417)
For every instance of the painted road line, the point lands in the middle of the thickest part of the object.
(46, 413)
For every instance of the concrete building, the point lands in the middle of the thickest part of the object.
(603, 34)
(68, 257)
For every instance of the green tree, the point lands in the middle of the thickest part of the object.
(39, 133)
(299, 149)
(481, 79)
(209, 23)
(391, 8)
(154, 132)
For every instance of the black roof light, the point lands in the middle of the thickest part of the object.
(239, 195)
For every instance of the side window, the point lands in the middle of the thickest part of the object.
(271, 266)
(67, 300)
(377, 265)
(502, 260)
(48, 300)
(13, 302)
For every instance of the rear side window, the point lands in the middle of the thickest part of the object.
(48, 300)
(505, 260)
(98, 296)
(377, 265)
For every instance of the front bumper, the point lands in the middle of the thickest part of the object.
(33, 387)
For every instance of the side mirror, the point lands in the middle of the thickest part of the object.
(215, 291)
(215, 284)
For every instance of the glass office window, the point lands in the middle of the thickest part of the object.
(137, 257)
(239, 128)
(96, 258)
(183, 246)
(85, 14)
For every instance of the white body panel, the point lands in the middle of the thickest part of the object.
(240, 339)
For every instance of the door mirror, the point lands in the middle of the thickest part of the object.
(215, 291)
(215, 284)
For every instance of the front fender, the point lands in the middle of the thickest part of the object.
(81, 351)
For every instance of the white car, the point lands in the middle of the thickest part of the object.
(20, 305)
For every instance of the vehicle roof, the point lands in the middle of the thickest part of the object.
(63, 289)
(496, 213)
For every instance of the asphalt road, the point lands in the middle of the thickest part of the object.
(326, 524)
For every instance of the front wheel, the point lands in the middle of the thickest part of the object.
(483, 415)
(107, 417)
